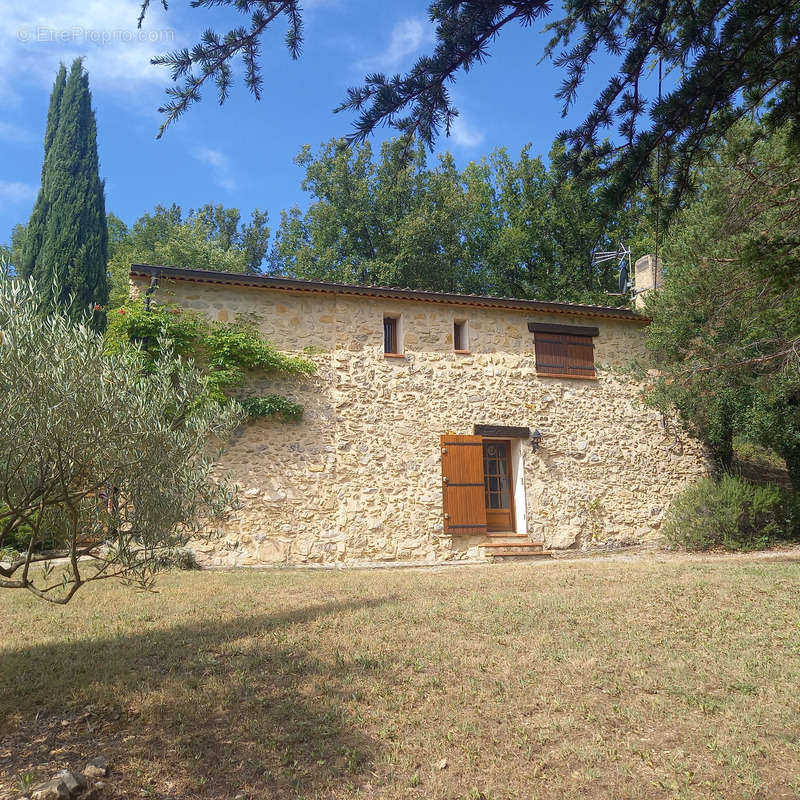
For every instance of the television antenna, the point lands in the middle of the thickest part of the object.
(622, 255)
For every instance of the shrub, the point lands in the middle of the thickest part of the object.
(16, 539)
(186, 559)
(731, 513)
(792, 515)
(103, 460)
(181, 558)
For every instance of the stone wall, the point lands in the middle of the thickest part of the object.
(359, 477)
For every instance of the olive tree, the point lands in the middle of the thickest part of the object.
(106, 460)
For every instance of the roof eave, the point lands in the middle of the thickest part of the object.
(323, 287)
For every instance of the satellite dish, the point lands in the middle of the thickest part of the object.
(623, 278)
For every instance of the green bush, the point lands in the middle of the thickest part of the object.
(17, 539)
(225, 352)
(731, 513)
(102, 461)
(180, 558)
(792, 515)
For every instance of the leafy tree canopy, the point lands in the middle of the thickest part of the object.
(726, 325)
(729, 59)
(501, 226)
(211, 237)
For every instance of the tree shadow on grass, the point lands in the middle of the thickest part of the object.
(195, 710)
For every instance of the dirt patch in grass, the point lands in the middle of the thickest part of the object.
(632, 678)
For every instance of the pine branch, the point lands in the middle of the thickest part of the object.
(143, 11)
(211, 57)
(732, 58)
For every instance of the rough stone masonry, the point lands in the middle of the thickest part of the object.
(359, 477)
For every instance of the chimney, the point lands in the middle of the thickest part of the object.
(648, 274)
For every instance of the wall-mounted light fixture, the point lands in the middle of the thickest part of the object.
(536, 440)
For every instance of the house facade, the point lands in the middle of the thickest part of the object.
(438, 427)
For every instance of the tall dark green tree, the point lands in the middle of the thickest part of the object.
(36, 225)
(67, 236)
(726, 324)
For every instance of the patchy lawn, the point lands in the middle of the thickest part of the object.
(601, 679)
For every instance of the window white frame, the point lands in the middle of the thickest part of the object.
(464, 325)
(398, 334)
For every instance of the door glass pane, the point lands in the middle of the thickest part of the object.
(505, 495)
(497, 479)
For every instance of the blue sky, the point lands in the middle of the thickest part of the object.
(241, 154)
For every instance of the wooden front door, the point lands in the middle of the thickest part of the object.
(498, 485)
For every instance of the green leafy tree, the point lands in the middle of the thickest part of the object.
(102, 462)
(12, 253)
(211, 237)
(546, 226)
(727, 59)
(226, 354)
(66, 243)
(390, 221)
(726, 325)
(500, 226)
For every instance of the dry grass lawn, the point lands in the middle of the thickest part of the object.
(654, 678)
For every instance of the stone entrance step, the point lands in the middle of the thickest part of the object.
(514, 546)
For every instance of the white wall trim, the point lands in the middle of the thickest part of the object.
(520, 501)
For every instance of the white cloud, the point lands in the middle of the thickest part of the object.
(220, 166)
(465, 135)
(16, 193)
(407, 37)
(38, 34)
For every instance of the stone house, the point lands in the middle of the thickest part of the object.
(439, 426)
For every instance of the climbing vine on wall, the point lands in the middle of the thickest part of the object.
(227, 352)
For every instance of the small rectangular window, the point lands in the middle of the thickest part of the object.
(390, 338)
(460, 343)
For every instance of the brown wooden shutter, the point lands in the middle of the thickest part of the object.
(462, 485)
(580, 356)
(564, 355)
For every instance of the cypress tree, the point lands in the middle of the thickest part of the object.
(68, 236)
(35, 228)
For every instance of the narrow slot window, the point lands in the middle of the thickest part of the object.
(390, 339)
(460, 343)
